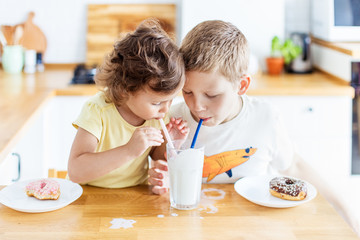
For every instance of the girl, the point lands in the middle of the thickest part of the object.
(118, 128)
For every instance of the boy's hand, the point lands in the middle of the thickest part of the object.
(177, 128)
(143, 138)
(158, 177)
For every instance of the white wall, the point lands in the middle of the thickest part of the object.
(259, 20)
(297, 15)
(64, 22)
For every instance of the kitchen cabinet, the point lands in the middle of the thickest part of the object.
(10, 169)
(320, 127)
(60, 112)
(46, 143)
(26, 160)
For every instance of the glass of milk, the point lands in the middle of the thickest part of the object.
(185, 173)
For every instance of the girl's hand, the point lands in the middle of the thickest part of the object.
(158, 177)
(143, 138)
(177, 128)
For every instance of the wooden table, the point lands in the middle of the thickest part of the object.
(230, 217)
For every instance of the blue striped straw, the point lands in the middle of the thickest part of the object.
(196, 134)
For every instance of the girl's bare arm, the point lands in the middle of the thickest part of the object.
(85, 164)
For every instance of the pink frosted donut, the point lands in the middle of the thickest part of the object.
(43, 189)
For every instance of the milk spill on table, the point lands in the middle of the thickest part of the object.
(208, 202)
(186, 176)
(117, 223)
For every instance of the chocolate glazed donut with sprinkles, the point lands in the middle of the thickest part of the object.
(288, 188)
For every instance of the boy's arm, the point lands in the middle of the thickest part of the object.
(158, 175)
(85, 164)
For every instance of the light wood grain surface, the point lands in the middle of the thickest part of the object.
(349, 48)
(22, 96)
(107, 21)
(315, 84)
(232, 217)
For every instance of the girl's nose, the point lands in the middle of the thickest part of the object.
(165, 107)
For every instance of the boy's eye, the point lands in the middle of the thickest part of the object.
(185, 92)
(156, 104)
(211, 96)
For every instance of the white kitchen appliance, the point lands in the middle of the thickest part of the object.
(336, 20)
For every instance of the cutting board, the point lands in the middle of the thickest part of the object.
(107, 21)
(33, 37)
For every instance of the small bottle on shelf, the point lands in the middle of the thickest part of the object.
(39, 62)
(30, 61)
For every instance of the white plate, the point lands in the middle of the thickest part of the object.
(256, 190)
(14, 196)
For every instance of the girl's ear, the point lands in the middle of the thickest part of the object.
(244, 84)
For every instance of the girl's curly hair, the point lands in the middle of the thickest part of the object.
(145, 57)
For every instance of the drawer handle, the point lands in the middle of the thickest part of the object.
(19, 166)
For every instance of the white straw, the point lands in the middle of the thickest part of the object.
(166, 133)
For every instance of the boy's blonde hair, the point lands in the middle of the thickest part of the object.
(216, 46)
(146, 57)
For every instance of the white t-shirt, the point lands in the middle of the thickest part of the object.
(253, 143)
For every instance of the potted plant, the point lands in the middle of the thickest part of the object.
(281, 53)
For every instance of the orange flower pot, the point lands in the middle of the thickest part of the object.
(275, 65)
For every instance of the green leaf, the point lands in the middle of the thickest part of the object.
(288, 49)
(275, 45)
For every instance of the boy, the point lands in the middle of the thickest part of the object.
(242, 135)
(216, 56)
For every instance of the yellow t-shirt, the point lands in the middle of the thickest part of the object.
(103, 120)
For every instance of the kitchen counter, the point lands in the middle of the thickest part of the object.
(22, 96)
(222, 214)
(315, 84)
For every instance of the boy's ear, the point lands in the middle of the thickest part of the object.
(244, 84)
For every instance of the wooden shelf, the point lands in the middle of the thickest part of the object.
(349, 48)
